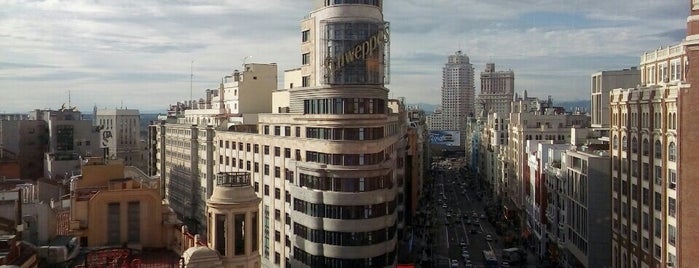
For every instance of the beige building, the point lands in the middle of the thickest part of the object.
(324, 161)
(645, 162)
(532, 119)
(497, 91)
(114, 205)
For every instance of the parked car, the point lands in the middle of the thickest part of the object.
(488, 238)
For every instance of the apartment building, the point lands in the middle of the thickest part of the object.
(645, 162)
(532, 119)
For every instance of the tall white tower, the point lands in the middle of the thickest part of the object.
(457, 90)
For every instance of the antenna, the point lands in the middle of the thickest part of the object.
(68, 98)
(191, 78)
(244, 60)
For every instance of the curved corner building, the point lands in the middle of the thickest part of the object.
(325, 162)
(344, 192)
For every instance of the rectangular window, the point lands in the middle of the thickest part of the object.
(256, 149)
(113, 226)
(671, 234)
(266, 130)
(277, 193)
(134, 212)
(277, 172)
(277, 151)
(306, 81)
(305, 35)
(266, 149)
(672, 179)
(277, 131)
(220, 236)
(266, 190)
(239, 234)
(287, 153)
(298, 131)
(671, 206)
(306, 58)
(254, 231)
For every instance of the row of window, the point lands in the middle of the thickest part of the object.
(345, 159)
(344, 106)
(621, 119)
(374, 133)
(645, 147)
(345, 238)
(346, 184)
(364, 2)
(360, 212)
(322, 261)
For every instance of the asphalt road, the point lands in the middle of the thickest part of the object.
(460, 198)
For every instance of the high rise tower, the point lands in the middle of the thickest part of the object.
(457, 96)
(457, 90)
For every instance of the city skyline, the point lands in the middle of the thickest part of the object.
(140, 55)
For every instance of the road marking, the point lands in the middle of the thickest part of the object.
(446, 230)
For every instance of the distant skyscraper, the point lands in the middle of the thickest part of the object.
(497, 90)
(457, 95)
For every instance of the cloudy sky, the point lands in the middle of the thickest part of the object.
(139, 53)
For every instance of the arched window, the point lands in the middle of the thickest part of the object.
(624, 145)
(634, 145)
(615, 142)
(646, 147)
(672, 152)
(658, 150)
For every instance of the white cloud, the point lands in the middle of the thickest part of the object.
(108, 51)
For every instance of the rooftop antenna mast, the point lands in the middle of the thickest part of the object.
(69, 99)
(191, 78)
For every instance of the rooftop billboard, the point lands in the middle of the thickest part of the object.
(445, 137)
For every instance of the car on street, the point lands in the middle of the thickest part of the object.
(466, 255)
(482, 216)
(444, 206)
(454, 263)
(462, 244)
(488, 238)
(476, 221)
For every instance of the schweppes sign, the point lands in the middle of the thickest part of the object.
(361, 51)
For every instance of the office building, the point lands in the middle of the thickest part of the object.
(458, 101)
(69, 138)
(120, 134)
(497, 91)
(601, 84)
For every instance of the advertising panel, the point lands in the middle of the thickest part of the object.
(445, 137)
